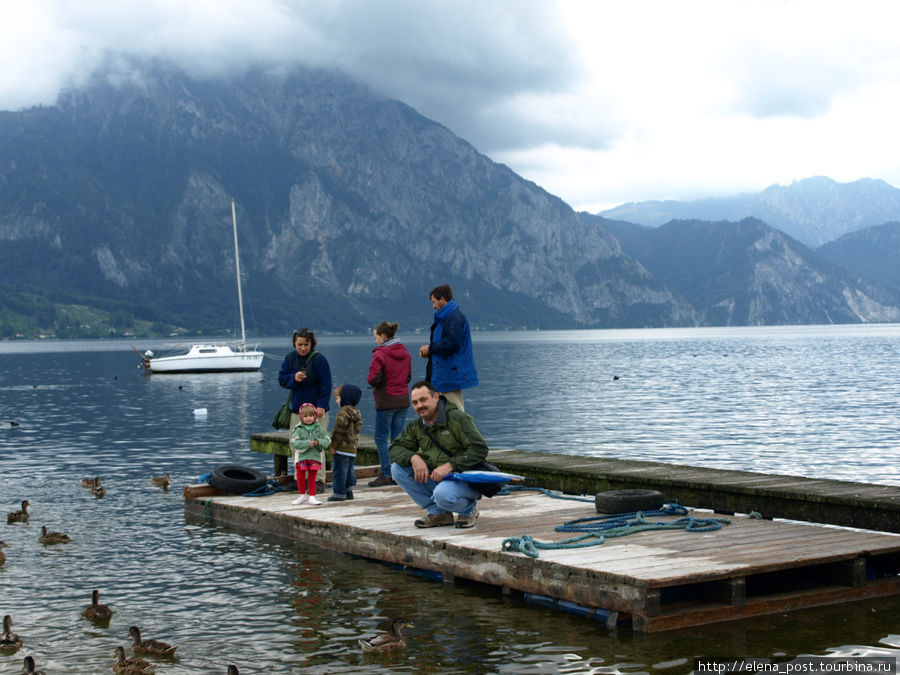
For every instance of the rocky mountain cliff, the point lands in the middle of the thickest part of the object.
(872, 253)
(748, 273)
(813, 210)
(351, 207)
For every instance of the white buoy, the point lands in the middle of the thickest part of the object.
(199, 412)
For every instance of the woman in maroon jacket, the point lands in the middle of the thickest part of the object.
(389, 373)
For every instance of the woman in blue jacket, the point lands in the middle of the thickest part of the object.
(307, 374)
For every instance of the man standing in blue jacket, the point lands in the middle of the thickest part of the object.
(451, 363)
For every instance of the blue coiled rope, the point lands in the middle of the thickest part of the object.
(270, 487)
(600, 528)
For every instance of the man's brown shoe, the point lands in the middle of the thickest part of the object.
(467, 521)
(435, 520)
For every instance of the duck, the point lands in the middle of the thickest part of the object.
(387, 642)
(28, 667)
(133, 666)
(232, 670)
(19, 516)
(89, 482)
(3, 545)
(161, 481)
(150, 647)
(97, 488)
(95, 611)
(53, 537)
(9, 641)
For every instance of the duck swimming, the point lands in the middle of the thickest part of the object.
(9, 641)
(19, 516)
(133, 666)
(161, 481)
(150, 647)
(96, 611)
(89, 482)
(53, 537)
(387, 642)
(28, 667)
(3, 545)
(97, 488)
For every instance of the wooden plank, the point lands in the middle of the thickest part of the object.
(776, 604)
(732, 569)
(201, 490)
(727, 491)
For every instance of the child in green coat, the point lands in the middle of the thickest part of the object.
(308, 440)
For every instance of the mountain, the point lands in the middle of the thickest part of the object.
(748, 273)
(115, 207)
(813, 210)
(873, 253)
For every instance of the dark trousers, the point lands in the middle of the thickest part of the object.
(343, 476)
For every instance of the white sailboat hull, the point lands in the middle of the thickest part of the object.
(212, 358)
(207, 359)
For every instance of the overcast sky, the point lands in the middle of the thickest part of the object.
(600, 102)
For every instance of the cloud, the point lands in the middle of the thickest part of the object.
(466, 63)
(598, 102)
(790, 80)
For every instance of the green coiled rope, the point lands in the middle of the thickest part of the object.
(598, 529)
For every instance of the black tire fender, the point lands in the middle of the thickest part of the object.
(626, 501)
(236, 480)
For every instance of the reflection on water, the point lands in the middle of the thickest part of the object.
(735, 399)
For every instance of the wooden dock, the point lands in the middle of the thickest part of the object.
(660, 580)
(833, 502)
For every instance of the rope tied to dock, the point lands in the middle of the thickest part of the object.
(600, 528)
(269, 488)
(507, 489)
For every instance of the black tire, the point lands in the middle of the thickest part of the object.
(626, 501)
(236, 480)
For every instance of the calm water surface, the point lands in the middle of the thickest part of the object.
(811, 401)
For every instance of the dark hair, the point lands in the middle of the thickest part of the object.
(306, 334)
(424, 383)
(442, 292)
(389, 330)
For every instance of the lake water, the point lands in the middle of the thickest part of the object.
(812, 401)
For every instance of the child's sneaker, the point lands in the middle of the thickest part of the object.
(314, 501)
(300, 500)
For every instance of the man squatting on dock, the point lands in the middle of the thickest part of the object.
(441, 440)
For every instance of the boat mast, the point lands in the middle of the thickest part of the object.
(237, 270)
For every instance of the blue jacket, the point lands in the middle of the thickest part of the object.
(316, 388)
(451, 363)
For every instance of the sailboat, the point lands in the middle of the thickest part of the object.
(212, 357)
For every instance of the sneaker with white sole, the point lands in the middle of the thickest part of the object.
(314, 501)
(300, 500)
(435, 520)
(466, 522)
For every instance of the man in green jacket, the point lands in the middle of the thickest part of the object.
(441, 440)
